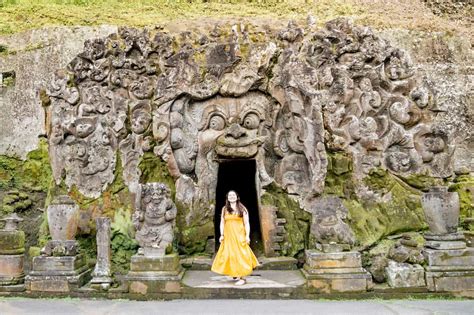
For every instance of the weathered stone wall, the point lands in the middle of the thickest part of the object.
(442, 61)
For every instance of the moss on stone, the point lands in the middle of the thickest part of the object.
(402, 210)
(154, 169)
(338, 179)
(422, 182)
(297, 220)
(464, 186)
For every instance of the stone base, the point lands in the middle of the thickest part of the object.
(339, 283)
(11, 269)
(155, 274)
(450, 281)
(12, 288)
(58, 274)
(56, 283)
(101, 283)
(450, 259)
(336, 272)
(402, 275)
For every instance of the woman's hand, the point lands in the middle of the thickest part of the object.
(247, 239)
(221, 238)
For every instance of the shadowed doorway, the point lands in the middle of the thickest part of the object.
(239, 175)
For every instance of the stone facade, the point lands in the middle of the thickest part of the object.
(320, 111)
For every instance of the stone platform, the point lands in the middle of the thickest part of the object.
(260, 284)
(267, 263)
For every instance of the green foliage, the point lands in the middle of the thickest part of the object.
(21, 15)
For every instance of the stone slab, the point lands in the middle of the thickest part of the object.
(167, 263)
(340, 283)
(458, 236)
(334, 271)
(453, 257)
(11, 267)
(402, 275)
(12, 288)
(277, 263)
(452, 281)
(444, 245)
(65, 265)
(146, 283)
(319, 260)
(258, 280)
(56, 283)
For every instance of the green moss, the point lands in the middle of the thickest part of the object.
(464, 186)
(401, 212)
(192, 239)
(421, 181)
(154, 169)
(31, 175)
(338, 179)
(297, 220)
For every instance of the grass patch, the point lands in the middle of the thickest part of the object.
(22, 15)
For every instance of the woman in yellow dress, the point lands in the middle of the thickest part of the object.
(234, 257)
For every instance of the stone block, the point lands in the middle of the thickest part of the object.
(320, 260)
(457, 258)
(154, 282)
(402, 275)
(57, 283)
(450, 281)
(12, 242)
(339, 283)
(165, 264)
(444, 245)
(11, 269)
(64, 265)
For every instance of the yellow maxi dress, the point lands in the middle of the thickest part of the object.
(234, 258)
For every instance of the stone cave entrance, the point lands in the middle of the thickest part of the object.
(241, 176)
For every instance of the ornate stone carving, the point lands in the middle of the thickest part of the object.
(282, 100)
(329, 226)
(154, 218)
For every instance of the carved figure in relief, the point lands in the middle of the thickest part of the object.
(154, 217)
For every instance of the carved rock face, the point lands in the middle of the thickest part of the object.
(281, 98)
(236, 125)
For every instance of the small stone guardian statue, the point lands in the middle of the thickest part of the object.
(154, 219)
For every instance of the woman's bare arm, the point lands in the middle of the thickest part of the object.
(222, 222)
(247, 224)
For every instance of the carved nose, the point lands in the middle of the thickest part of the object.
(236, 131)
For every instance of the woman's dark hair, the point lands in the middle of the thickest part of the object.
(240, 207)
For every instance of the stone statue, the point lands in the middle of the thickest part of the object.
(328, 225)
(154, 218)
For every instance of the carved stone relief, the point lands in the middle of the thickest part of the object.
(194, 99)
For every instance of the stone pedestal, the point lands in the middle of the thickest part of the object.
(58, 274)
(12, 247)
(450, 263)
(155, 274)
(336, 272)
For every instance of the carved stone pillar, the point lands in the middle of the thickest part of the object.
(151, 269)
(60, 268)
(101, 274)
(450, 263)
(12, 247)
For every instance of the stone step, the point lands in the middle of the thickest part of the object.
(267, 263)
(260, 284)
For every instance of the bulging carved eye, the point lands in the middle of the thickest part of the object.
(251, 121)
(216, 122)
